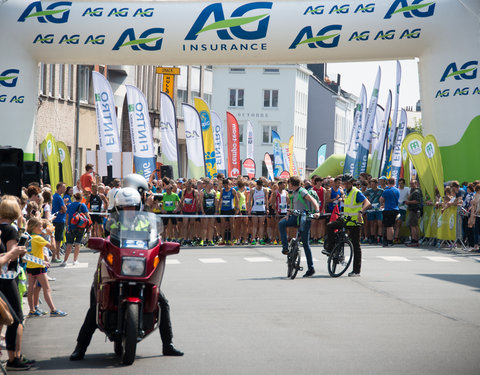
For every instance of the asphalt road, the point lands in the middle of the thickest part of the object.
(413, 311)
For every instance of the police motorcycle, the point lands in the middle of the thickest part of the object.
(129, 273)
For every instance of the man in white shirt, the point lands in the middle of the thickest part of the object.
(404, 194)
(111, 194)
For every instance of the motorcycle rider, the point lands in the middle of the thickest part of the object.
(126, 199)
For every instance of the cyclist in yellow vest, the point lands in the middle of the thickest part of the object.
(355, 205)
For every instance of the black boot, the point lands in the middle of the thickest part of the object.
(78, 354)
(170, 350)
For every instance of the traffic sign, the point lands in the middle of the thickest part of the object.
(166, 70)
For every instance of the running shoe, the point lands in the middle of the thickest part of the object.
(201, 243)
(210, 243)
(27, 361)
(34, 314)
(58, 313)
(75, 262)
(353, 274)
(56, 261)
(17, 365)
(275, 242)
(41, 311)
(262, 242)
(254, 242)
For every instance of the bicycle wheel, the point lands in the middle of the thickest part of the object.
(290, 257)
(295, 260)
(340, 258)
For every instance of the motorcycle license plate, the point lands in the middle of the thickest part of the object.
(134, 244)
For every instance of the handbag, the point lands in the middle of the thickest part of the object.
(80, 220)
(6, 317)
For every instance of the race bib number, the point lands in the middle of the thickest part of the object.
(188, 201)
(169, 204)
(260, 202)
(95, 207)
(209, 202)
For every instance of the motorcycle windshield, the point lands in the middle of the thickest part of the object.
(134, 229)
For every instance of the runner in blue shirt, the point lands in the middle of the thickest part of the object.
(389, 202)
(59, 209)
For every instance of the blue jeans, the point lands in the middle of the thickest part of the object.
(291, 221)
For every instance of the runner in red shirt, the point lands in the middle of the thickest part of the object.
(318, 226)
(86, 180)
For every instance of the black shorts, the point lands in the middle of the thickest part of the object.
(243, 213)
(170, 218)
(75, 236)
(59, 228)
(227, 212)
(191, 214)
(36, 271)
(96, 218)
(258, 213)
(389, 218)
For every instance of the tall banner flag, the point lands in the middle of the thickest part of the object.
(415, 145)
(364, 144)
(249, 167)
(141, 132)
(397, 149)
(233, 137)
(218, 142)
(393, 126)
(358, 122)
(406, 165)
(52, 158)
(292, 162)
(208, 143)
(380, 145)
(66, 161)
(108, 137)
(194, 141)
(277, 154)
(250, 141)
(435, 159)
(286, 157)
(321, 155)
(168, 133)
(268, 163)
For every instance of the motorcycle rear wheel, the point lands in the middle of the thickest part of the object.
(129, 339)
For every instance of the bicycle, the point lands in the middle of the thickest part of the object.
(293, 256)
(341, 256)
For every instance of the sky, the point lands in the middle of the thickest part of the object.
(354, 74)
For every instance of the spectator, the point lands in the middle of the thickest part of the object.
(111, 194)
(47, 205)
(374, 218)
(86, 180)
(404, 193)
(414, 207)
(389, 201)
(59, 209)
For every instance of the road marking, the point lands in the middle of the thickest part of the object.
(258, 259)
(394, 258)
(211, 260)
(441, 259)
(172, 261)
(79, 265)
(476, 258)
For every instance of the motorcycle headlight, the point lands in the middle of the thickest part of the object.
(133, 266)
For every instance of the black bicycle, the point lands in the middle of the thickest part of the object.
(341, 256)
(293, 256)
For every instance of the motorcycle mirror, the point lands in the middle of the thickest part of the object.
(169, 248)
(96, 243)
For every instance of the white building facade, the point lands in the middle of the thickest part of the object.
(270, 97)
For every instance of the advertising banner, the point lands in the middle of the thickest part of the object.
(141, 132)
(291, 158)
(250, 141)
(277, 154)
(208, 143)
(285, 175)
(396, 164)
(64, 155)
(447, 224)
(268, 162)
(358, 124)
(286, 157)
(321, 153)
(381, 141)
(168, 133)
(429, 222)
(435, 161)
(361, 158)
(108, 137)
(194, 141)
(233, 137)
(249, 167)
(218, 142)
(52, 158)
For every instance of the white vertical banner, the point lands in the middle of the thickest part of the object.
(218, 142)
(358, 122)
(381, 135)
(397, 149)
(194, 141)
(108, 135)
(250, 141)
(168, 133)
(286, 157)
(141, 132)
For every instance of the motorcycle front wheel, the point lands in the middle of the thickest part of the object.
(129, 340)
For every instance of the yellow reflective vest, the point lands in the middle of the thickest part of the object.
(351, 207)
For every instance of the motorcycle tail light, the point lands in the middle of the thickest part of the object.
(133, 266)
(156, 261)
(110, 259)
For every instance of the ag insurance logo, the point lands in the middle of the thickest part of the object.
(9, 78)
(248, 22)
(148, 40)
(57, 12)
(459, 72)
(410, 9)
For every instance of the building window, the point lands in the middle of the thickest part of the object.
(236, 97)
(237, 70)
(51, 80)
(182, 97)
(267, 133)
(270, 98)
(208, 99)
(84, 82)
(271, 71)
(43, 79)
(240, 131)
(61, 81)
(70, 82)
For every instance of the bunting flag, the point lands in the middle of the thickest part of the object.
(321, 155)
(249, 167)
(141, 132)
(52, 158)
(361, 158)
(64, 155)
(381, 141)
(277, 154)
(218, 141)
(233, 137)
(268, 163)
(435, 161)
(168, 133)
(250, 139)
(393, 127)
(415, 145)
(292, 162)
(208, 143)
(358, 123)
(397, 149)
(108, 137)
(194, 141)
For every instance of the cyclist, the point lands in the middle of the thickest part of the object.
(302, 201)
(355, 205)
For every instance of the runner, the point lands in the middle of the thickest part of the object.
(257, 208)
(189, 204)
(208, 199)
(226, 207)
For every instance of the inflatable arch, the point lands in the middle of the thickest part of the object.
(443, 34)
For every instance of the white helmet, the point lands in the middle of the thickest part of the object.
(137, 182)
(128, 197)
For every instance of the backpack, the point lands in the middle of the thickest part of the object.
(80, 220)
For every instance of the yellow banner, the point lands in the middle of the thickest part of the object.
(208, 145)
(168, 84)
(447, 224)
(435, 159)
(64, 156)
(429, 222)
(406, 166)
(51, 152)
